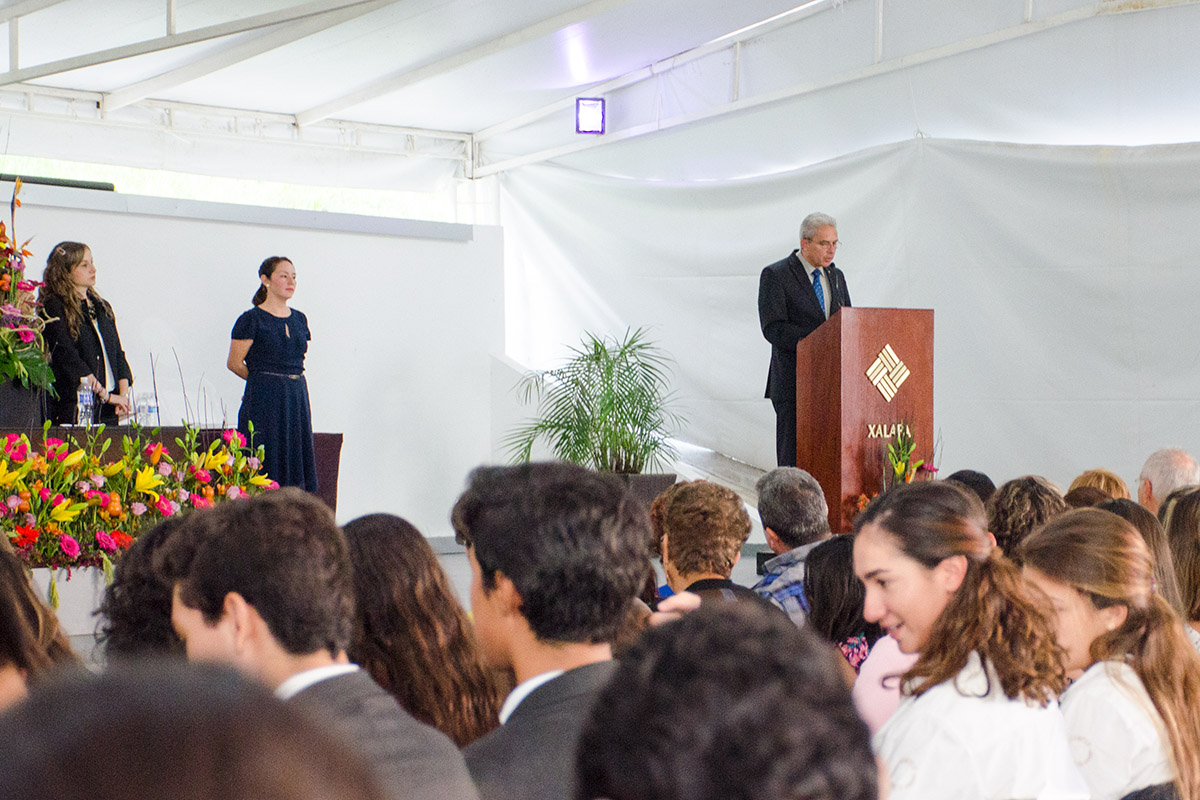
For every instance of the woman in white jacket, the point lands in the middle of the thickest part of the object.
(1133, 712)
(978, 717)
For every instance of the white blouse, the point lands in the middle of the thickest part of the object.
(1117, 736)
(964, 740)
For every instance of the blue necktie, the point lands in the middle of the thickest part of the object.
(817, 288)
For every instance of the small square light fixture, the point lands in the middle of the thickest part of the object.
(589, 115)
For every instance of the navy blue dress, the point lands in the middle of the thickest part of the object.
(276, 396)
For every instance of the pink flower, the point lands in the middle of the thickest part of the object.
(98, 495)
(15, 449)
(13, 501)
(58, 498)
(138, 509)
(44, 494)
(26, 335)
(232, 434)
(28, 286)
(3, 510)
(273, 485)
(97, 480)
(105, 542)
(164, 468)
(9, 310)
(30, 520)
(200, 501)
(184, 494)
(234, 492)
(163, 506)
(82, 487)
(253, 463)
(203, 476)
(69, 546)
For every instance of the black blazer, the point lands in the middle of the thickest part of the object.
(787, 312)
(532, 755)
(412, 760)
(71, 358)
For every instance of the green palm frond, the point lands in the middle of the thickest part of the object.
(605, 407)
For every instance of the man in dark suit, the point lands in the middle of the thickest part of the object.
(795, 295)
(265, 585)
(557, 555)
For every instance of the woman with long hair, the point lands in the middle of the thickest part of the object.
(1133, 712)
(267, 351)
(835, 599)
(1165, 581)
(1180, 517)
(978, 716)
(412, 635)
(81, 334)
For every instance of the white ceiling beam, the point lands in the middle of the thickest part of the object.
(293, 14)
(26, 8)
(1103, 8)
(235, 53)
(754, 31)
(401, 80)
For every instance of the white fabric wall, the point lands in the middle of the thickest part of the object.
(403, 327)
(1062, 279)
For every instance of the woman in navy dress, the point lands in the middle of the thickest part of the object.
(267, 351)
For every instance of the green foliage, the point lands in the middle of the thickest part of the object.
(605, 408)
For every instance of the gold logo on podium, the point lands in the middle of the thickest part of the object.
(888, 372)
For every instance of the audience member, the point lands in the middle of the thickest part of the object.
(170, 731)
(1166, 582)
(1133, 712)
(412, 635)
(1105, 480)
(731, 702)
(658, 511)
(265, 584)
(1180, 517)
(977, 482)
(557, 555)
(876, 691)
(795, 519)
(704, 528)
(835, 596)
(136, 610)
(1165, 471)
(1086, 497)
(978, 717)
(21, 658)
(39, 619)
(1019, 506)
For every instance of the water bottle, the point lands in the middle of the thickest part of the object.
(85, 404)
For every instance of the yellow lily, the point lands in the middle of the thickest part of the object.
(215, 460)
(261, 480)
(73, 459)
(147, 479)
(66, 512)
(113, 468)
(8, 477)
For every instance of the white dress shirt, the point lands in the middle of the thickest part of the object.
(523, 690)
(964, 740)
(302, 680)
(1117, 736)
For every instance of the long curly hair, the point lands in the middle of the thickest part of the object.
(412, 635)
(993, 612)
(1103, 557)
(64, 258)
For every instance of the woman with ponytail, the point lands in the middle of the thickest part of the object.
(1133, 712)
(81, 334)
(978, 717)
(267, 351)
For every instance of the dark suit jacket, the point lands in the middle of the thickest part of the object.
(411, 759)
(71, 358)
(532, 755)
(787, 312)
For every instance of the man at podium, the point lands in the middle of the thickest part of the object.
(795, 295)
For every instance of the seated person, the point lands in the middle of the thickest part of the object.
(704, 528)
(795, 520)
(731, 702)
(558, 553)
(264, 584)
(1019, 506)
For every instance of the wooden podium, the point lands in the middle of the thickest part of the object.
(858, 376)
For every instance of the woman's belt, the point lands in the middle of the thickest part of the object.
(279, 375)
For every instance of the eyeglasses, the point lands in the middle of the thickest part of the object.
(826, 244)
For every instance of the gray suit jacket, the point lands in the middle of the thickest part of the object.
(532, 755)
(412, 759)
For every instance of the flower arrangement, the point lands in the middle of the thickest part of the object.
(64, 505)
(900, 466)
(23, 355)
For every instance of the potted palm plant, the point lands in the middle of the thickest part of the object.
(605, 407)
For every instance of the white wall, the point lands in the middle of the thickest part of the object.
(404, 318)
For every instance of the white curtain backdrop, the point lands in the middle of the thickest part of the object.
(1063, 281)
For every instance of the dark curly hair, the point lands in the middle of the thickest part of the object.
(412, 635)
(135, 613)
(1019, 506)
(732, 702)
